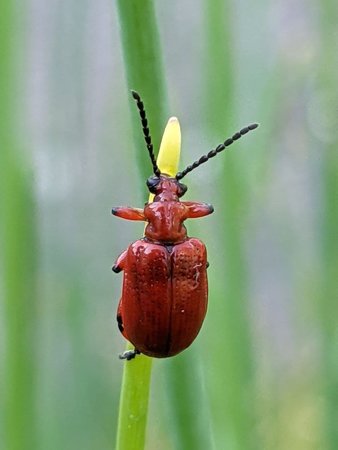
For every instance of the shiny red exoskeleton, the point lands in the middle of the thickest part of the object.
(165, 289)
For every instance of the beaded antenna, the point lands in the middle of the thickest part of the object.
(198, 162)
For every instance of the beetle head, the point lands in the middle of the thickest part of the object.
(166, 188)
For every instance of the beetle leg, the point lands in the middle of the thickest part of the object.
(119, 263)
(129, 213)
(198, 209)
(129, 354)
(119, 321)
(207, 264)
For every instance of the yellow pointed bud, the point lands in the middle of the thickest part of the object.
(170, 148)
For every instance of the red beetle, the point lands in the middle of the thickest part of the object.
(165, 288)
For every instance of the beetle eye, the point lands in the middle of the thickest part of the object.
(182, 189)
(152, 182)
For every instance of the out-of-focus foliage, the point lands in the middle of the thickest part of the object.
(263, 373)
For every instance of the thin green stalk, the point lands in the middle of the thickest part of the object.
(144, 72)
(327, 302)
(132, 421)
(18, 256)
(218, 64)
(185, 395)
(232, 386)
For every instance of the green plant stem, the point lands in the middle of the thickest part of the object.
(18, 256)
(327, 301)
(134, 403)
(143, 65)
(231, 394)
(144, 71)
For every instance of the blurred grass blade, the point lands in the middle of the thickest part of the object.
(327, 301)
(219, 82)
(18, 256)
(231, 381)
(186, 402)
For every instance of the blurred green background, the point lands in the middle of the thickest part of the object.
(263, 373)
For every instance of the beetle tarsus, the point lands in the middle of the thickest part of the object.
(116, 269)
(129, 354)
